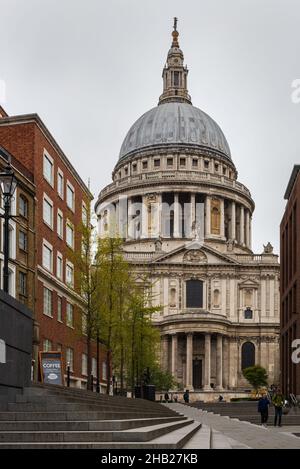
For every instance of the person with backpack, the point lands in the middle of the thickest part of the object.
(278, 402)
(263, 408)
(186, 396)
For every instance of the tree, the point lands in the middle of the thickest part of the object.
(162, 380)
(256, 375)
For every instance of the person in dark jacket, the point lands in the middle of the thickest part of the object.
(278, 402)
(186, 396)
(263, 408)
(167, 397)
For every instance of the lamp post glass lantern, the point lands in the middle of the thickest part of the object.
(8, 184)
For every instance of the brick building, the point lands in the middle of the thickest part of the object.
(290, 284)
(61, 198)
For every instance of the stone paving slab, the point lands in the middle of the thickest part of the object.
(254, 436)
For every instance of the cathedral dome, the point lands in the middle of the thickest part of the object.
(175, 123)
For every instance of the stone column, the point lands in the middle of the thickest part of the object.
(247, 228)
(207, 216)
(207, 359)
(192, 214)
(250, 232)
(189, 361)
(242, 226)
(165, 352)
(225, 362)
(176, 215)
(222, 218)
(174, 355)
(233, 222)
(219, 367)
(144, 217)
(159, 215)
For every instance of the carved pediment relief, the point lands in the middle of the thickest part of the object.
(195, 257)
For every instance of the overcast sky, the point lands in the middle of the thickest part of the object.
(91, 68)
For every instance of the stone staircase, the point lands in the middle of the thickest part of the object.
(247, 411)
(55, 417)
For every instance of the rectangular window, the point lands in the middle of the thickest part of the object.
(70, 315)
(70, 235)
(70, 274)
(104, 370)
(176, 78)
(60, 184)
(145, 164)
(206, 164)
(23, 206)
(22, 240)
(48, 302)
(47, 345)
(70, 196)
(84, 363)
(169, 161)
(48, 168)
(59, 266)
(194, 294)
(48, 211)
(195, 163)
(47, 257)
(70, 358)
(22, 283)
(182, 161)
(157, 163)
(60, 224)
(84, 214)
(134, 167)
(94, 367)
(59, 309)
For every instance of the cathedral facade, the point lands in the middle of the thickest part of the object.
(187, 221)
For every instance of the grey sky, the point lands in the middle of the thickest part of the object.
(91, 68)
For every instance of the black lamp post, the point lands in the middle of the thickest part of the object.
(8, 185)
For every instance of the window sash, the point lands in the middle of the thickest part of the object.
(70, 315)
(70, 197)
(47, 257)
(48, 302)
(48, 213)
(48, 169)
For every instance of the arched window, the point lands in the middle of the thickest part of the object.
(248, 355)
(248, 313)
(194, 294)
(216, 298)
(215, 217)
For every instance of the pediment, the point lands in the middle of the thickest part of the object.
(194, 254)
(248, 283)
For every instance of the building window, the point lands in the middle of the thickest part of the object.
(60, 184)
(84, 214)
(195, 163)
(70, 196)
(134, 167)
(104, 370)
(48, 168)
(60, 224)
(248, 313)
(224, 170)
(70, 315)
(48, 302)
(169, 161)
(94, 367)
(70, 235)
(59, 309)
(194, 294)
(206, 164)
(248, 355)
(22, 283)
(156, 163)
(216, 167)
(48, 211)
(23, 206)
(216, 298)
(70, 274)
(59, 347)
(47, 345)
(126, 171)
(22, 240)
(173, 297)
(47, 256)
(70, 358)
(145, 164)
(84, 364)
(59, 266)
(182, 161)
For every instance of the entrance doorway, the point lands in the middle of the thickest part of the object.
(197, 373)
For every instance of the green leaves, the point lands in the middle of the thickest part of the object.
(256, 375)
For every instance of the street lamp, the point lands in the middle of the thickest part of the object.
(8, 184)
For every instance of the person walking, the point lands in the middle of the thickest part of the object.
(263, 408)
(186, 396)
(278, 402)
(166, 397)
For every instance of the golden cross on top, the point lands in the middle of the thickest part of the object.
(175, 23)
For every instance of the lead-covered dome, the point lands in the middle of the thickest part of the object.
(174, 123)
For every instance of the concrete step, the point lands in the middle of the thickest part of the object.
(201, 439)
(175, 439)
(79, 415)
(83, 425)
(68, 407)
(142, 434)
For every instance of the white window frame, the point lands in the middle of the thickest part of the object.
(49, 346)
(84, 213)
(70, 186)
(50, 290)
(70, 225)
(50, 202)
(59, 300)
(67, 316)
(94, 367)
(70, 358)
(50, 247)
(84, 364)
(60, 214)
(59, 256)
(104, 370)
(61, 174)
(47, 156)
(69, 264)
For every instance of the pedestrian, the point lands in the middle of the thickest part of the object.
(263, 408)
(166, 397)
(220, 398)
(278, 402)
(175, 397)
(186, 396)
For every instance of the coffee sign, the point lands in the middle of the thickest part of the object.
(51, 367)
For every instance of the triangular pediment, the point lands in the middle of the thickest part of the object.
(194, 253)
(248, 283)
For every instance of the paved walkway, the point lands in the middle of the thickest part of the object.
(253, 436)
